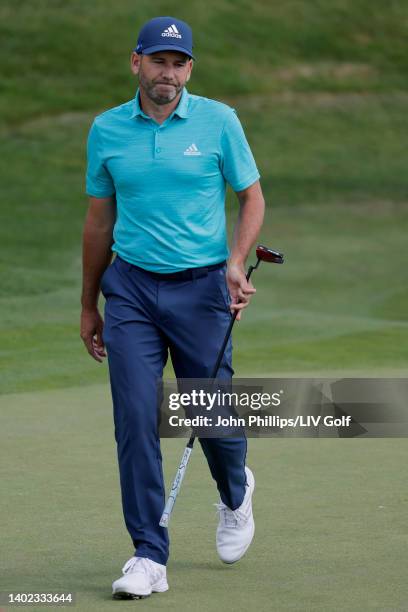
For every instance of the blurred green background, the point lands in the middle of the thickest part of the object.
(321, 89)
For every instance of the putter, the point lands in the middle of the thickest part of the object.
(263, 253)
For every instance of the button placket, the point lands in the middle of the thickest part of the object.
(158, 149)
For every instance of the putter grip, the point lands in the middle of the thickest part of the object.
(164, 521)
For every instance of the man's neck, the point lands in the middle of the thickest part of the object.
(158, 112)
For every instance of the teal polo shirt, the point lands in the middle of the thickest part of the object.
(169, 180)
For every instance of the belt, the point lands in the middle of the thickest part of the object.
(188, 274)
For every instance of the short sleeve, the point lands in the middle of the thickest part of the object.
(237, 162)
(99, 182)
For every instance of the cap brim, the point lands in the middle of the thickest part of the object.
(156, 48)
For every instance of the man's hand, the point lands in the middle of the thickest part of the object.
(247, 227)
(96, 257)
(91, 333)
(240, 289)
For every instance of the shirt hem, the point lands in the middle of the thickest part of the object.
(100, 195)
(168, 270)
(245, 184)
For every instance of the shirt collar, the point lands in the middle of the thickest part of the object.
(181, 109)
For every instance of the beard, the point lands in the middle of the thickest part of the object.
(160, 92)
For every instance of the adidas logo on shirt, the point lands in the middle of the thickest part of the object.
(192, 150)
(171, 31)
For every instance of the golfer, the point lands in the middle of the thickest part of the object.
(157, 171)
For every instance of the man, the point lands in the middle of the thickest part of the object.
(157, 172)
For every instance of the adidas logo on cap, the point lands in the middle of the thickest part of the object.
(171, 31)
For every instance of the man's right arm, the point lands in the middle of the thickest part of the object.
(96, 256)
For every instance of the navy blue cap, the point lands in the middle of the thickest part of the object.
(165, 34)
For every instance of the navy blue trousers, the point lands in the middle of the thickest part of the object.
(145, 319)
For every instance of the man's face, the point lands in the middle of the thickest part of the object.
(162, 75)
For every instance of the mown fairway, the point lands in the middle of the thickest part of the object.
(330, 517)
(321, 89)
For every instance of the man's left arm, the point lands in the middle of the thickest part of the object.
(246, 230)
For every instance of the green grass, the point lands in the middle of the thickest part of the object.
(337, 303)
(330, 516)
(336, 192)
(327, 149)
(321, 88)
(60, 55)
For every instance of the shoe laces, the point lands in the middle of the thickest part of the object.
(139, 565)
(231, 518)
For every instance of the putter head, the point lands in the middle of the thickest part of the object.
(265, 254)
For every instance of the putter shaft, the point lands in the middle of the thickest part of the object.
(263, 254)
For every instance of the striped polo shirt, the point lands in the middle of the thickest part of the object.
(169, 180)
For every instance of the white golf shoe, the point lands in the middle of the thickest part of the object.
(236, 528)
(141, 577)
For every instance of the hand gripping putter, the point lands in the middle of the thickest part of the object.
(263, 253)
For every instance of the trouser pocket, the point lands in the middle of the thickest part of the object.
(222, 287)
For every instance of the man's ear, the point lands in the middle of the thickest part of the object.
(191, 68)
(135, 61)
